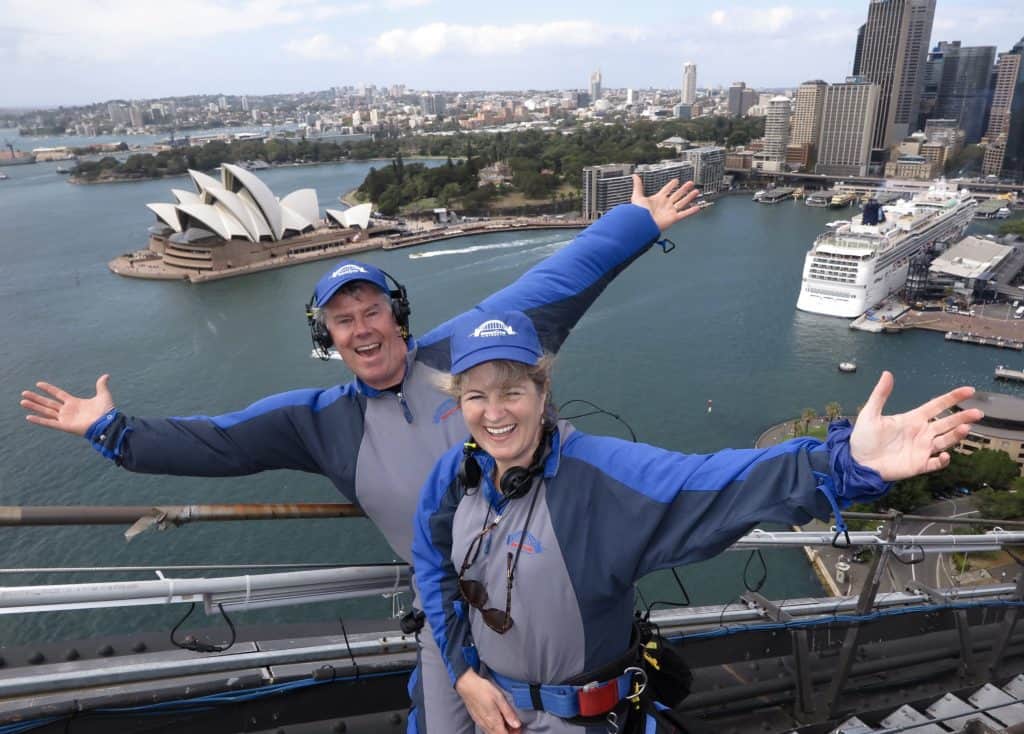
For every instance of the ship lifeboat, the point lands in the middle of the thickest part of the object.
(847, 366)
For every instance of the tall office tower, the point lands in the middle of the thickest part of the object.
(1004, 154)
(629, 96)
(689, 88)
(135, 115)
(776, 128)
(807, 113)
(893, 55)
(245, 103)
(741, 99)
(595, 86)
(847, 120)
(858, 52)
(956, 85)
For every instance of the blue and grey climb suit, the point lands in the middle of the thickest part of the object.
(378, 446)
(608, 512)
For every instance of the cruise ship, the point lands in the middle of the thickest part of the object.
(859, 261)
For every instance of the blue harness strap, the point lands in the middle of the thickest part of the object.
(567, 701)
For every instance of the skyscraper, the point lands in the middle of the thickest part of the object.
(847, 120)
(689, 88)
(956, 85)
(891, 52)
(807, 115)
(595, 86)
(776, 128)
(1004, 153)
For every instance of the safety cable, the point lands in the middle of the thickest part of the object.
(195, 645)
(351, 655)
(661, 602)
(764, 571)
(597, 410)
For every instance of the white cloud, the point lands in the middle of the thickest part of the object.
(319, 47)
(493, 40)
(113, 29)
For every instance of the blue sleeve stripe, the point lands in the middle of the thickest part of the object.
(661, 475)
(315, 400)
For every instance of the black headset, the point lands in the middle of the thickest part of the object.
(322, 342)
(516, 481)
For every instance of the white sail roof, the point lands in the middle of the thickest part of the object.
(240, 205)
(356, 216)
(166, 213)
(236, 178)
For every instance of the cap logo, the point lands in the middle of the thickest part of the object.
(494, 327)
(347, 270)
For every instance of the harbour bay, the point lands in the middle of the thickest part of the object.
(712, 320)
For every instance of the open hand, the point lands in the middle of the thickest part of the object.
(64, 411)
(671, 205)
(487, 704)
(911, 443)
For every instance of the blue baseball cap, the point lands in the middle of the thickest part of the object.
(345, 272)
(482, 336)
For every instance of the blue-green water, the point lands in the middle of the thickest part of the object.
(714, 320)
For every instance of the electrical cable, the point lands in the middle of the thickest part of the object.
(597, 410)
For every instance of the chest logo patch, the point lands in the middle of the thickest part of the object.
(446, 410)
(531, 545)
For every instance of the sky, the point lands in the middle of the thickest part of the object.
(71, 52)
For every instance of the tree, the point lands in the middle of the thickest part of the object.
(808, 415)
(833, 410)
(907, 495)
(994, 468)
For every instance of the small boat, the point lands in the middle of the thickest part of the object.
(3, 176)
(63, 169)
(847, 366)
(759, 194)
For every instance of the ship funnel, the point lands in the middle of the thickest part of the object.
(872, 211)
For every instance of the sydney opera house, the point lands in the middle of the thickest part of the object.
(236, 225)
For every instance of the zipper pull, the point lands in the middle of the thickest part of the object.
(405, 408)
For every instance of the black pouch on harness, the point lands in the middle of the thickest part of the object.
(668, 676)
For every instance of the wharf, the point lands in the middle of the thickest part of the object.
(476, 228)
(989, 321)
(774, 196)
(879, 319)
(985, 341)
(1005, 373)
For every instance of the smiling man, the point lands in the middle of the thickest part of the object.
(377, 437)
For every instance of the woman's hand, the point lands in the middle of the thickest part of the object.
(671, 205)
(487, 704)
(911, 443)
(64, 411)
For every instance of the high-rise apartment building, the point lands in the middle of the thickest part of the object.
(595, 86)
(848, 117)
(807, 113)
(689, 87)
(1004, 151)
(610, 185)
(891, 52)
(956, 86)
(776, 127)
(708, 167)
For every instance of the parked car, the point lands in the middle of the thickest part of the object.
(963, 491)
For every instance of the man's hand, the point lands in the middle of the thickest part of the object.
(671, 205)
(487, 705)
(64, 411)
(911, 443)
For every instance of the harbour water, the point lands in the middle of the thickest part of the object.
(712, 320)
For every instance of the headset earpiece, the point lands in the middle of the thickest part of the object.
(400, 306)
(469, 474)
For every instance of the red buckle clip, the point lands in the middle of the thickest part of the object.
(596, 698)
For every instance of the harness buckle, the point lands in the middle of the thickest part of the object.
(596, 698)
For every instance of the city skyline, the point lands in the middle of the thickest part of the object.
(56, 52)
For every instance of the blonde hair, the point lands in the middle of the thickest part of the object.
(508, 373)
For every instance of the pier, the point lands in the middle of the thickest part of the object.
(985, 341)
(1005, 373)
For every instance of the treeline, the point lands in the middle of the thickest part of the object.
(990, 474)
(203, 158)
(541, 162)
(400, 183)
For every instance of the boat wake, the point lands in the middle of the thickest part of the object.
(474, 248)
